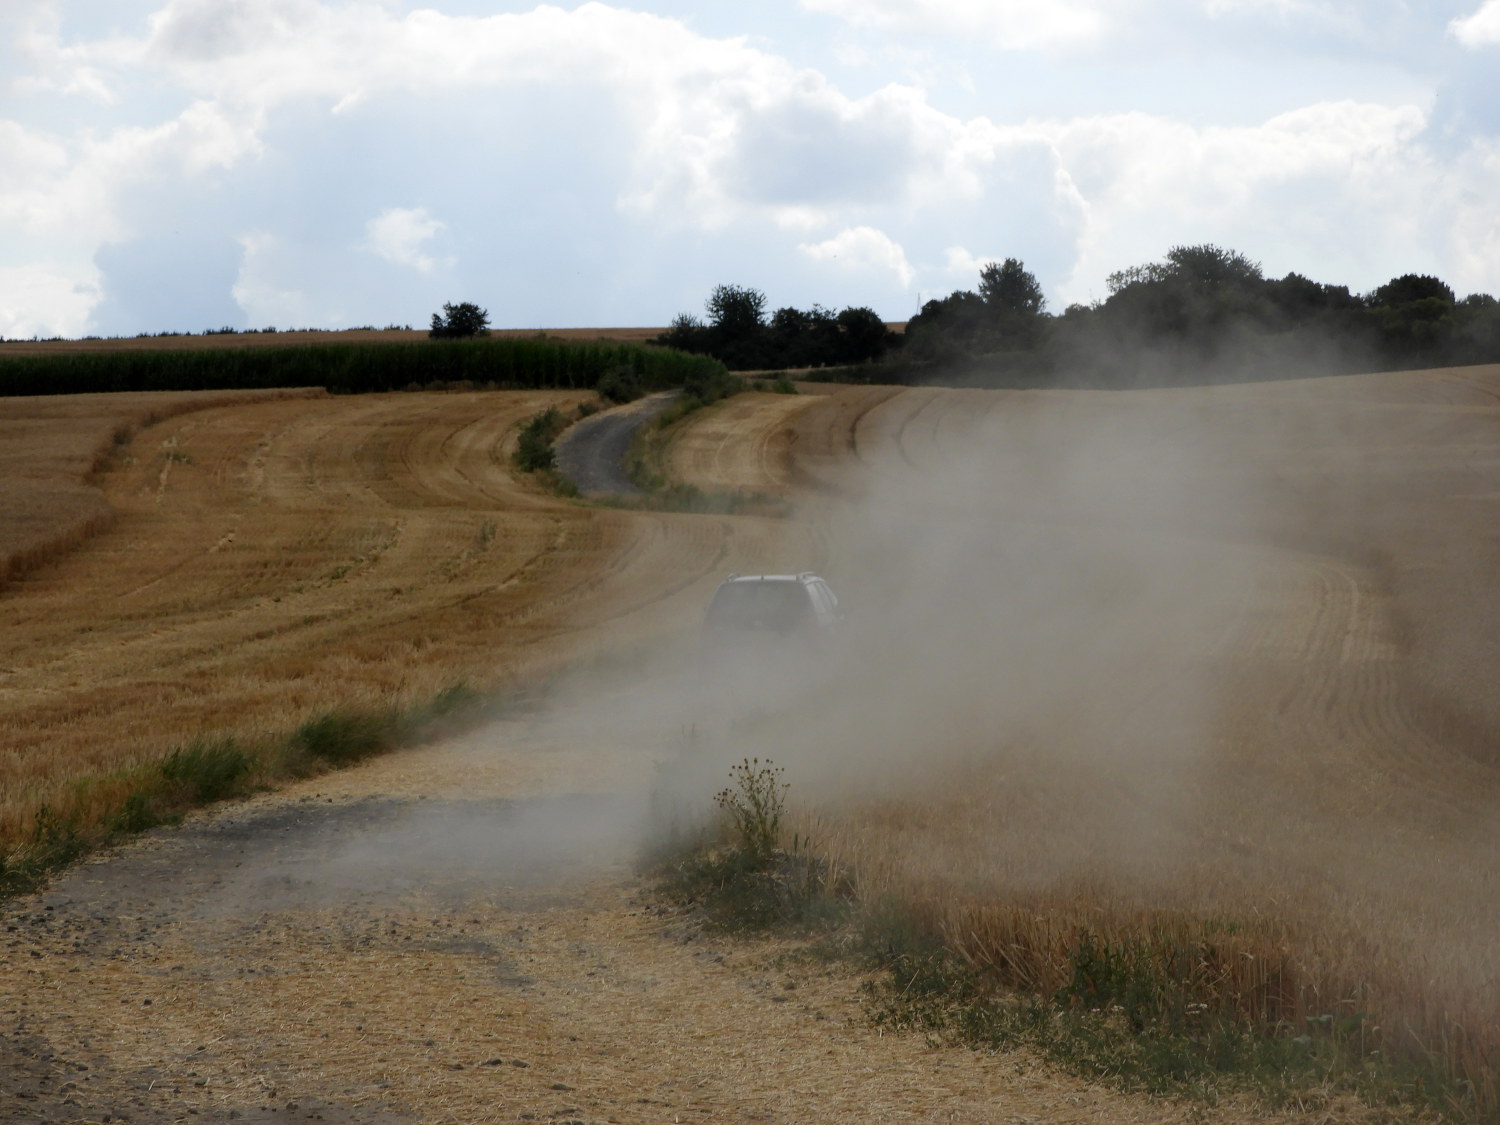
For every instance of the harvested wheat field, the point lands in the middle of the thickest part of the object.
(1110, 659)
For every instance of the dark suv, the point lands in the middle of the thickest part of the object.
(784, 604)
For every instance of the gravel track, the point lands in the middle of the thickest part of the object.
(592, 452)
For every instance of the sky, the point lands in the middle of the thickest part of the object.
(182, 165)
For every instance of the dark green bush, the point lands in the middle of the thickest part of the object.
(619, 384)
(534, 448)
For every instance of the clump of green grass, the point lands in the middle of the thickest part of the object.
(55, 842)
(776, 382)
(208, 770)
(346, 735)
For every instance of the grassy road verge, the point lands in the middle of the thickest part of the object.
(97, 811)
(1174, 1006)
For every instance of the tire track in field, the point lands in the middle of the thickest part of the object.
(740, 444)
(826, 437)
(884, 429)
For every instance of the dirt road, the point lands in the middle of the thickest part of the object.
(592, 452)
(454, 933)
(346, 952)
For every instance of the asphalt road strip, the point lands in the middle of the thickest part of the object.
(592, 453)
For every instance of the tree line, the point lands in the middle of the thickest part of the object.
(1202, 314)
(739, 333)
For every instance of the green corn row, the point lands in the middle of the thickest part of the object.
(519, 364)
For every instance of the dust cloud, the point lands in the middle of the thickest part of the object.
(1211, 649)
(1186, 649)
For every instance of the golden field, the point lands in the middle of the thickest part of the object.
(1131, 662)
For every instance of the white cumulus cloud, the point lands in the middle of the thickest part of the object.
(1317, 189)
(258, 291)
(1482, 29)
(655, 160)
(863, 249)
(47, 299)
(398, 234)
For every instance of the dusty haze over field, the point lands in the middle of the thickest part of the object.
(1222, 650)
(1214, 655)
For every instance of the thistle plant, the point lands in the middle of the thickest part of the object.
(754, 805)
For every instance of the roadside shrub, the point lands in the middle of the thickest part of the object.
(707, 386)
(619, 384)
(534, 448)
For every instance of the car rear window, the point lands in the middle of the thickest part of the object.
(759, 605)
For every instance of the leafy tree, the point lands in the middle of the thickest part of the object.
(863, 335)
(1009, 288)
(789, 323)
(1410, 288)
(798, 338)
(1204, 266)
(1149, 274)
(687, 333)
(736, 310)
(1212, 266)
(740, 335)
(458, 321)
(948, 327)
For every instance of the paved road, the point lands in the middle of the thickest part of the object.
(592, 453)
